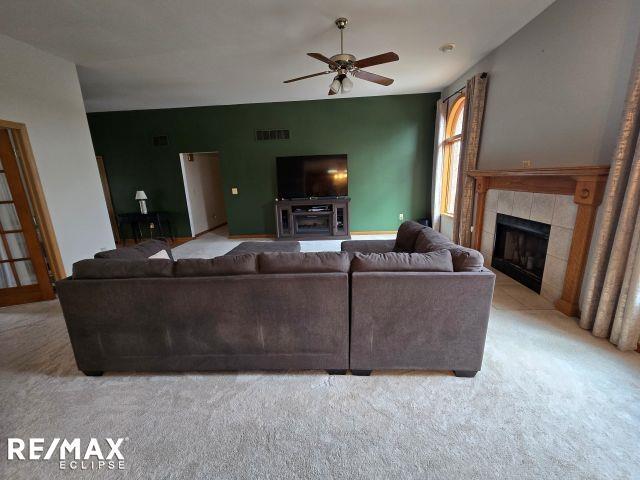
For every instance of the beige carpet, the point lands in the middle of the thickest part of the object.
(551, 402)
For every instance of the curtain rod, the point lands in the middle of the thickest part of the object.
(454, 93)
(482, 75)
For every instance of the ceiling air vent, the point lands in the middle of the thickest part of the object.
(160, 141)
(272, 135)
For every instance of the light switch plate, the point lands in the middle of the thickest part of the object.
(234, 190)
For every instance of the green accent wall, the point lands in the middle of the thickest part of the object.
(389, 141)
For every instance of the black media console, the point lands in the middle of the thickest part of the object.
(313, 218)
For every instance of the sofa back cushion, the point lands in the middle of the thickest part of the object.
(439, 261)
(104, 268)
(429, 240)
(241, 264)
(142, 250)
(407, 235)
(303, 262)
(464, 259)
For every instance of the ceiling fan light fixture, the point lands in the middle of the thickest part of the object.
(335, 85)
(347, 85)
(347, 64)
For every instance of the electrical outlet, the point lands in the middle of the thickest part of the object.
(401, 217)
(234, 191)
(526, 164)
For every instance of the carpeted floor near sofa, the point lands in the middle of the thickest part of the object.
(551, 402)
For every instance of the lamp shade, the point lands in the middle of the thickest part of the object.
(347, 85)
(335, 85)
(140, 195)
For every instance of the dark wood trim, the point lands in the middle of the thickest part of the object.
(43, 289)
(180, 240)
(210, 229)
(586, 184)
(37, 197)
(20, 295)
(251, 235)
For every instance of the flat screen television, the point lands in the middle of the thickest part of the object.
(312, 176)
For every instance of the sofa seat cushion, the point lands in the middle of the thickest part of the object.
(307, 262)
(439, 261)
(241, 264)
(260, 247)
(140, 251)
(464, 259)
(407, 235)
(104, 268)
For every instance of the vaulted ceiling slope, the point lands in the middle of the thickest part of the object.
(141, 54)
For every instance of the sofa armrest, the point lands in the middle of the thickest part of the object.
(368, 246)
(419, 320)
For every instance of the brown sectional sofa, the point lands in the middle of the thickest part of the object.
(229, 313)
(376, 305)
(404, 318)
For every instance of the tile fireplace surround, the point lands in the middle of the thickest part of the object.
(566, 198)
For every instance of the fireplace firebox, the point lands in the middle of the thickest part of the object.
(520, 249)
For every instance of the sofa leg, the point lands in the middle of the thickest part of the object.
(465, 373)
(361, 373)
(93, 373)
(337, 372)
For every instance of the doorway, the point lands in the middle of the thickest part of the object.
(29, 257)
(107, 198)
(204, 191)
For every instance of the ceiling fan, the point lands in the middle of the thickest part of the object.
(345, 63)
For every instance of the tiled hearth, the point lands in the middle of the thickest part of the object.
(559, 211)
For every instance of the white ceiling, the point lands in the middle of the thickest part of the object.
(140, 54)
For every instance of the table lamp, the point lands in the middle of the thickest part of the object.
(142, 197)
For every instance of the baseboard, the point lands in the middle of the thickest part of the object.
(210, 229)
(252, 235)
(374, 232)
(180, 240)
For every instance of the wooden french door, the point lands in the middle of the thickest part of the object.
(24, 275)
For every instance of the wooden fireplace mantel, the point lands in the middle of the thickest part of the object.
(586, 184)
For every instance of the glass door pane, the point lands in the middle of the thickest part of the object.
(7, 280)
(17, 245)
(26, 273)
(9, 217)
(5, 193)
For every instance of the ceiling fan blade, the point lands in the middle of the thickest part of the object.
(372, 77)
(377, 60)
(322, 58)
(306, 76)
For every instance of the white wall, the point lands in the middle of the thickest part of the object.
(556, 87)
(43, 92)
(203, 190)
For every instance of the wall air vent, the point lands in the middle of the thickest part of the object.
(272, 135)
(160, 141)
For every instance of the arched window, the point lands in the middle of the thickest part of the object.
(452, 142)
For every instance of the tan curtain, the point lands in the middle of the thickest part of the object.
(612, 291)
(476, 92)
(438, 161)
